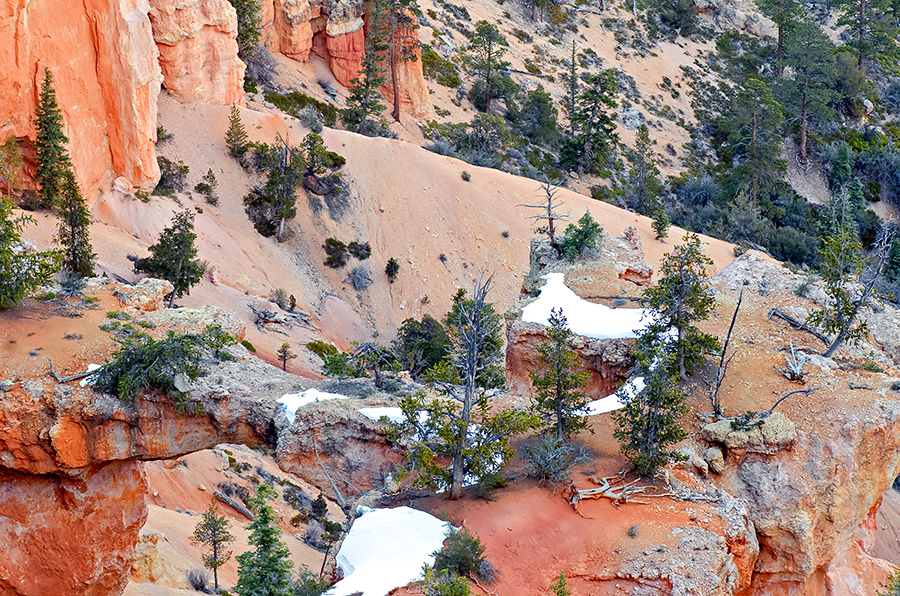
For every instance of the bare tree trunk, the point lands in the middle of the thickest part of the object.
(804, 116)
(754, 174)
(395, 84)
(861, 31)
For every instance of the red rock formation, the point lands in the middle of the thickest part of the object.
(345, 42)
(106, 77)
(414, 97)
(198, 50)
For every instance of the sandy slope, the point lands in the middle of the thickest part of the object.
(408, 203)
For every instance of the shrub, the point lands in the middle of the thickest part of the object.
(248, 345)
(207, 187)
(310, 118)
(321, 349)
(578, 238)
(391, 269)
(336, 253)
(549, 460)
(163, 365)
(309, 584)
(172, 177)
(361, 251)
(280, 297)
(461, 555)
(466, 176)
(438, 69)
(198, 580)
(295, 102)
(161, 135)
(359, 277)
(337, 365)
(444, 583)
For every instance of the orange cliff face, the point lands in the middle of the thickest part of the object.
(198, 50)
(106, 76)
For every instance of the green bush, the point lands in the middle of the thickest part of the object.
(336, 253)
(463, 554)
(438, 69)
(577, 238)
(321, 349)
(293, 103)
(361, 251)
(143, 363)
(172, 175)
(248, 345)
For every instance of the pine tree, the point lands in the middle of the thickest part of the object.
(560, 400)
(208, 187)
(809, 94)
(841, 267)
(647, 427)
(249, 22)
(276, 203)
(173, 257)
(570, 101)
(72, 234)
(265, 570)
(236, 135)
(785, 14)
(755, 137)
(483, 58)
(211, 533)
(559, 587)
(50, 144)
(402, 42)
(285, 354)
(679, 299)
(461, 436)
(20, 272)
(362, 114)
(661, 222)
(873, 25)
(391, 269)
(594, 126)
(643, 188)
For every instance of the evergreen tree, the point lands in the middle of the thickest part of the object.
(679, 299)
(647, 427)
(285, 354)
(594, 126)
(560, 400)
(50, 144)
(208, 187)
(211, 533)
(842, 170)
(661, 222)
(848, 291)
(483, 59)
(402, 42)
(362, 114)
(873, 25)
(391, 269)
(270, 207)
(72, 234)
(536, 117)
(462, 431)
(236, 135)
(20, 272)
(173, 257)
(785, 14)
(809, 94)
(265, 570)
(754, 137)
(570, 101)
(559, 587)
(643, 188)
(249, 22)
(745, 222)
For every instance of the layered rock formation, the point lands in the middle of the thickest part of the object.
(198, 50)
(106, 75)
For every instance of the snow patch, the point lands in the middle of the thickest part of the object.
(616, 400)
(386, 549)
(391, 413)
(91, 379)
(291, 402)
(584, 318)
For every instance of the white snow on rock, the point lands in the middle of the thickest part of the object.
(91, 379)
(616, 400)
(386, 549)
(293, 401)
(584, 318)
(391, 413)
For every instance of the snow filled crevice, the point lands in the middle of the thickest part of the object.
(291, 402)
(386, 549)
(585, 318)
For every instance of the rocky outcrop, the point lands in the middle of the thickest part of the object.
(106, 75)
(812, 499)
(333, 31)
(736, 15)
(198, 50)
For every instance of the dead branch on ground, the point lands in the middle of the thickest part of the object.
(290, 319)
(796, 324)
(75, 377)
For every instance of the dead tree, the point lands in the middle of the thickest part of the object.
(549, 211)
(723, 362)
(371, 356)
